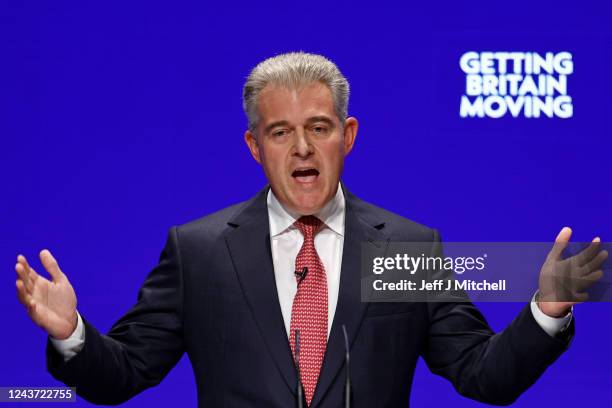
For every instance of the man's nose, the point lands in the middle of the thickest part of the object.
(303, 147)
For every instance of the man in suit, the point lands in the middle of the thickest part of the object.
(233, 288)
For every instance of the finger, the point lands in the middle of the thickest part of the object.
(594, 276)
(560, 243)
(21, 292)
(51, 265)
(28, 302)
(21, 260)
(589, 253)
(587, 281)
(33, 312)
(24, 297)
(596, 262)
(31, 274)
(23, 277)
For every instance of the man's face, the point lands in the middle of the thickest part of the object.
(301, 144)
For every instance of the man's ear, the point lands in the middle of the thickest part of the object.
(350, 133)
(251, 141)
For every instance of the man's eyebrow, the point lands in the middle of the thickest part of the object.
(321, 119)
(310, 120)
(272, 125)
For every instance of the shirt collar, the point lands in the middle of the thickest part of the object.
(332, 214)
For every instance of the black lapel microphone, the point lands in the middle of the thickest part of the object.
(299, 392)
(347, 384)
(301, 275)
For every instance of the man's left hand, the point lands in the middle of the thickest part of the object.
(563, 282)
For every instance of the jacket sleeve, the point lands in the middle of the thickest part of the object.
(140, 349)
(485, 366)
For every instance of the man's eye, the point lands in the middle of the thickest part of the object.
(319, 129)
(279, 133)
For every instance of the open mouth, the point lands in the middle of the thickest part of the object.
(305, 175)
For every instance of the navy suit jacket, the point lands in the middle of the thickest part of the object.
(213, 295)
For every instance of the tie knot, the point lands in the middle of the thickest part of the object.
(309, 226)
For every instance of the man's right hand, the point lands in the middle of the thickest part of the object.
(50, 304)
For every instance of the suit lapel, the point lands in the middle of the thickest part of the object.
(249, 246)
(359, 230)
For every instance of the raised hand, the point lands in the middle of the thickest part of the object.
(563, 282)
(50, 304)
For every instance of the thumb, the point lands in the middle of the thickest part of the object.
(560, 243)
(51, 265)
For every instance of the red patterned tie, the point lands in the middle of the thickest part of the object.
(309, 311)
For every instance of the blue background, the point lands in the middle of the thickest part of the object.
(119, 120)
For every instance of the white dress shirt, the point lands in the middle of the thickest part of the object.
(286, 241)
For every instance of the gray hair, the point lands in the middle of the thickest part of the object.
(292, 70)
